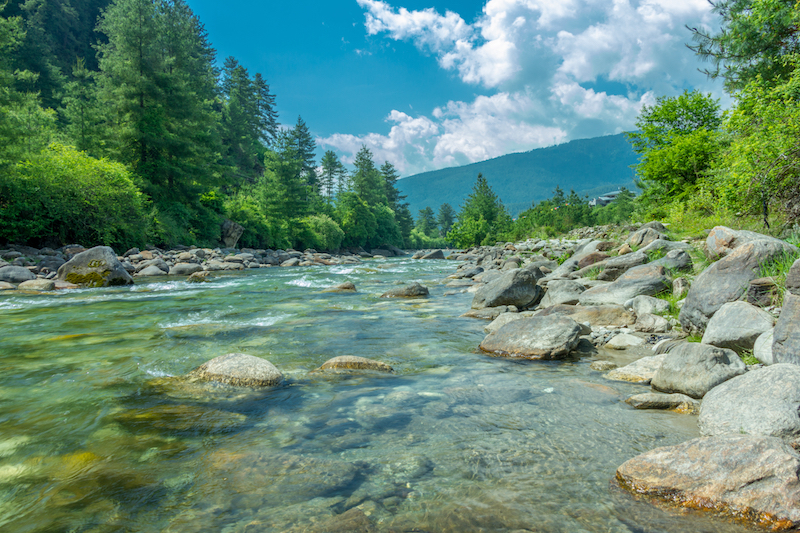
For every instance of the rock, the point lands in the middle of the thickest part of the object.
(644, 279)
(184, 269)
(37, 285)
(351, 521)
(654, 224)
(642, 305)
(603, 366)
(623, 341)
(694, 369)
(764, 401)
(238, 369)
(793, 278)
(763, 292)
(96, 267)
(489, 313)
(667, 246)
(548, 337)
(562, 291)
(149, 272)
(199, 277)
(680, 286)
(721, 241)
(156, 262)
(647, 323)
(675, 260)
(762, 350)
(291, 262)
(645, 236)
(64, 285)
(737, 325)
(231, 231)
(6, 286)
(16, 274)
(436, 254)
(597, 315)
(786, 340)
(352, 362)
(672, 402)
(189, 419)
(640, 371)
(347, 286)
(504, 319)
(413, 290)
(518, 288)
(617, 266)
(725, 281)
(592, 258)
(747, 477)
(625, 249)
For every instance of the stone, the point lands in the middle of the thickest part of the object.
(96, 267)
(644, 279)
(156, 262)
(667, 246)
(352, 362)
(623, 341)
(675, 261)
(592, 258)
(603, 366)
(680, 286)
(184, 269)
(190, 419)
(645, 236)
(654, 224)
(762, 350)
(786, 340)
(231, 231)
(793, 278)
(202, 276)
(288, 263)
(596, 315)
(240, 370)
(647, 323)
(413, 290)
(561, 291)
(37, 285)
(671, 402)
(763, 292)
(640, 371)
(694, 369)
(489, 313)
(725, 281)
(64, 285)
(753, 478)
(16, 274)
(6, 286)
(548, 337)
(150, 271)
(721, 241)
(764, 401)
(616, 266)
(436, 254)
(504, 319)
(737, 325)
(625, 249)
(642, 305)
(347, 286)
(517, 287)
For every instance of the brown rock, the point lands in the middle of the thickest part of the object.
(625, 249)
(199, 277)
(347, 286)
(763, 292)
(353, 362)
(672, 402)
(596, 315)
(592, 258)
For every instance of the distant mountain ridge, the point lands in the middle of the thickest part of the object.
(589, 166)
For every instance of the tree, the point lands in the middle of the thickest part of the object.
(330, 175)
(367, 181)
(445, 218)
(305, 149)
(241, 129)
(482, 217)
(84, 117)
(265, 110)
(390, 177)
(426, 222)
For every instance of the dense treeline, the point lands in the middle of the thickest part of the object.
(118, 127)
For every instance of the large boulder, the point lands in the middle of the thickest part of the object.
(647, 323)
(644, 279)
(184, 269)
(413, 290)
(150, 271)
(435, 254)
(96, 267)
(15, 274)
(596, 315)
(726, 281)
(37, 285)
(764, 401)
(616, 266)
(644, 236)
(240, 370)
(675, 260)
(517, 287)
(231, 231)
(694, 369)
(754, 478)
(786, 337)
(539, 337)
(562, 291)
(721, 241)
(737, 325)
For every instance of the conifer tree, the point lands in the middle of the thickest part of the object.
(83, 115)
(426, 222)
(367, 181)
(445, 218)
(390, 177)
(330, 174)
(265, 109)
(305, 149)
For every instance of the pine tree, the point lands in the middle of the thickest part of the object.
(305, 148)
(426, 222)
(265, 109)
(445, 218)
(390, 177)
(330, 173)
(85, 120)
(241, 125)
(367, 181)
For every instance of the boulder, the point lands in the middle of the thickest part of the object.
(561, 291)
(672, 402)
(231, 231)
(737, 325)
(763, 292)
(288, 263)
(539, 337)
(150, 271)
(694, 369)
(37, 285)
(721, 241)
(591, 259)
(504, 319)
(725, 281)
(596, 315)
(616, 266)
(96, 267)
(352, 362)
(786, 340)
(793, 278)
(240, 370)
(201, 276)
(645, 236)
(764, 401)
(347, 286)
(667, 246)
(644, 279)
(675, 260)
(642, 305)
(6, 286)
(517, 287)
(680, 286)
(489, 313)
(185, 269)
(623, 341)
(640, 371)
(762, 350)
(154, 262)
(647, 323)
(414, 290)
(654, 224)
(435, 254)
(16, 274)
(753, 478)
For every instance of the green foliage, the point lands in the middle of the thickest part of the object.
(320, 232)
(482, 218)
(426, 222)
(387, 231)
(419, 241)
(356, 220)
(367, 180)
(445, 219)
(468, 232)
(62, 196)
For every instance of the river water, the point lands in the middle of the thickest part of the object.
(96, 435)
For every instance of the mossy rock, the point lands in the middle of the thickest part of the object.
(353, 362)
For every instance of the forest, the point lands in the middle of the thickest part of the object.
(118, 126)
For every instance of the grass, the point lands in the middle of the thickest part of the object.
(655, 255)
(673, 311)
(777, 269)
(748, 357)
(593, 273)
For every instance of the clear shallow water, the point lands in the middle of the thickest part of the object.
(95, 436)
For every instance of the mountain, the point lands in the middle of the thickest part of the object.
(589, 166)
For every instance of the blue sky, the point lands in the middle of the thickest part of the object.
(431, 84)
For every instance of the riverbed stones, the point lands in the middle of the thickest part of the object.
(647, 323)
(238, 369)
(185, 269)
(191, 419)
(644, 279)
(347, 286)
(624, 341)
(96, 267)
(596, 315)
(737, 325)
(37, 285)
(517, 287)
(16, 274)
(640, 371)
(538, 337)
(353, 362)
(764, 401)
(786, 339)
(694, 369)
(671, 402)
(755, 478)
(413, 290)
(762, 349)
(562, 291)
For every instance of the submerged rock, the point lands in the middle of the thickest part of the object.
(539, 337)
(414, 290)
(353, 362)
(347, 286)
(96, 267)
(640, 371)
(240, 370)
(672, 402)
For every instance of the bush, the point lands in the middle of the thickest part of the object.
(61, 196)
(320, 232)
(418, 241)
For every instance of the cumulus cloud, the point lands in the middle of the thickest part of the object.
(550, 71)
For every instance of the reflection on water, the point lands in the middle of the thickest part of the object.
(97, 435)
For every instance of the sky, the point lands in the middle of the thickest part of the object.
(429, 84)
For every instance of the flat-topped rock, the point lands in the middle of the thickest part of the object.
(538, 337)
(671, 402)
(640, 371)
(644, 279)
(413, 290)
(517, 287)
(240, 370)
(37, 285)
(354, 362)
(596, 315)
(694, 369)
(737, 325)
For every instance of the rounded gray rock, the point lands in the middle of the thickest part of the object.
(538, 337)
(96, 267)
(694, 369)
(239, 369)
(737, 325)
(16, 274)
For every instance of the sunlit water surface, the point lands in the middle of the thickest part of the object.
(96, 436)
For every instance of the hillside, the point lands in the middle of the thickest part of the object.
(590, 166)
